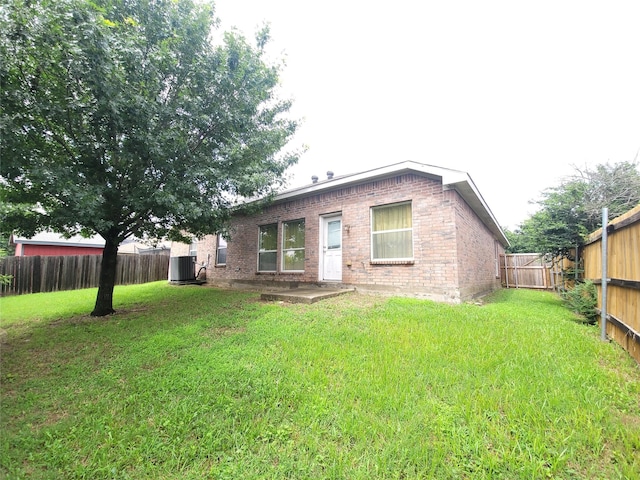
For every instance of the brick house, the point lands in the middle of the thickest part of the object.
(405, 229)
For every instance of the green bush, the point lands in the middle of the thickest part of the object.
(583, 300)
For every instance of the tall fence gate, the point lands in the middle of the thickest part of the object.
(525, 270)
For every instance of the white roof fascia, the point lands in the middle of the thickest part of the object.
(468, 190)
(49, 238)
(365, 176)
(456, 180)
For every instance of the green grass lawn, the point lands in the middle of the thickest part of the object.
(194, 382)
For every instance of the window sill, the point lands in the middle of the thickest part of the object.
(392, 262)
(219, 266)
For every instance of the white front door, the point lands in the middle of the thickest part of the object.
(331, 268)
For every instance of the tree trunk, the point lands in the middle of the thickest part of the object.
(104, 300)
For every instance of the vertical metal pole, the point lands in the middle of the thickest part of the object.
(603, 289)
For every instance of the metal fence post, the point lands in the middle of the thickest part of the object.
(603, 288)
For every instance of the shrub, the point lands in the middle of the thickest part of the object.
(583, 299)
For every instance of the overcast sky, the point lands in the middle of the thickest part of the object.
(512, 92)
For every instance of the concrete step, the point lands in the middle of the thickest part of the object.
(304, 295)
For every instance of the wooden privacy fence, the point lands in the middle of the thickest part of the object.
(52, 273)
(525, 270)
(565, 272)
(623, 274)
(533, 270)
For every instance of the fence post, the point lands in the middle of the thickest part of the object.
(603, 288)
(575, 265)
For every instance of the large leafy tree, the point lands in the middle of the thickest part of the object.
(559, 225)
(570, 211)
(615, 186)
(123, 117)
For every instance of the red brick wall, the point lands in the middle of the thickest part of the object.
(477, 253)
(454, 252)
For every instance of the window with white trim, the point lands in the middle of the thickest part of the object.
(392, 232)
(268, 248)
(293, 246)
(221, 251)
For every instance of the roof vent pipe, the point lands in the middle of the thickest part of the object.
(314, 179)
(329, 175)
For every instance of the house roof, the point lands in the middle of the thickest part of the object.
(451, 179)
(134, 245)
(130, 245)
(50, 238)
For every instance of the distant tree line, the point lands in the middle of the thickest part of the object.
(571, 210)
